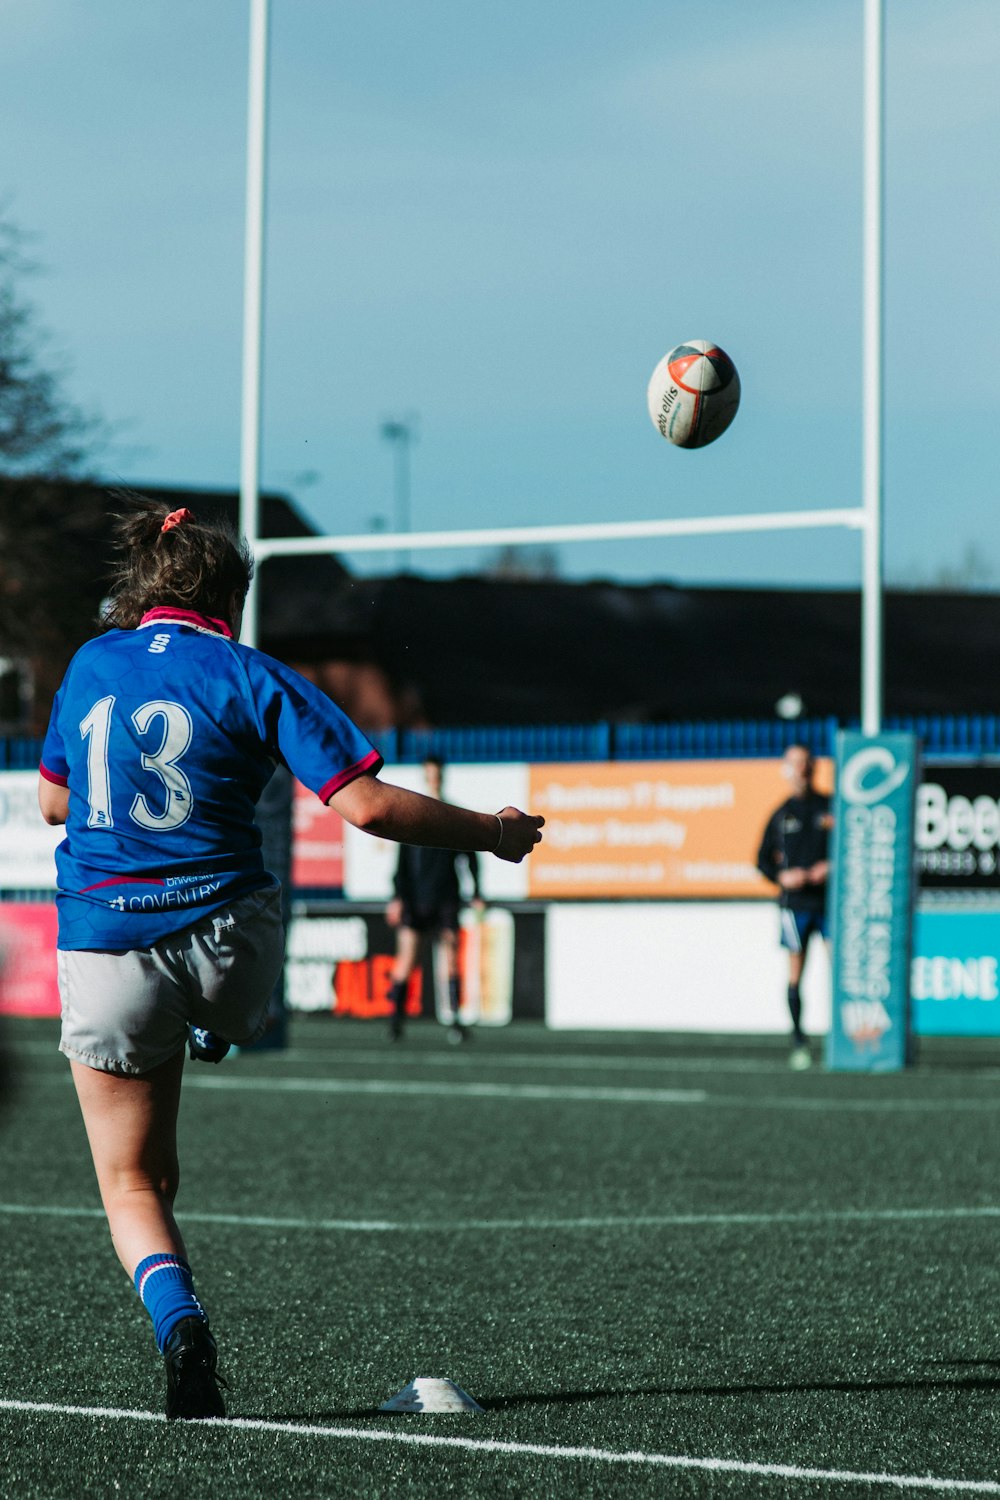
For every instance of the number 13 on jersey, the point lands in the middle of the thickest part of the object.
(174, 723)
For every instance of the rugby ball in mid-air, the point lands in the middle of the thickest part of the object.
(694, 394)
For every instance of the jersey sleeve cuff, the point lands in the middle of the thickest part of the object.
(371, 762)
(52, 776)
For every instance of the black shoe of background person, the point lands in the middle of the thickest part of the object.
(192, 1384)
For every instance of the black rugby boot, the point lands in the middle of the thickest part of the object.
(192, 1384)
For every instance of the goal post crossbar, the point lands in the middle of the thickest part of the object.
(598, 531)
(858, 518)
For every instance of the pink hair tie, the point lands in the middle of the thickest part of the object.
(176, 517)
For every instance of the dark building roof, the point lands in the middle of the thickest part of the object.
(479, 650)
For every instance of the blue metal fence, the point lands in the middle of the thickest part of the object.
(531, 742)
(944, 737)
(727, 739)
(20, 754)
(951, 736)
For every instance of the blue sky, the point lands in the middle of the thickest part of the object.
(499, 218)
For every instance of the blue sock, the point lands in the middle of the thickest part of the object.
(166, 1287)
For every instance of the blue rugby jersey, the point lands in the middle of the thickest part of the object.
(166, 736)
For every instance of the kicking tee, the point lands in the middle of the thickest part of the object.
(166, 736)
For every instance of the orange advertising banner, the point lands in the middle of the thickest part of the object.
(655, 828)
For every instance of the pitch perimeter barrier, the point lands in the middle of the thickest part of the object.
(951, 736)
(20, 754)
(643, 909)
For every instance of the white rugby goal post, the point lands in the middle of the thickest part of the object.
(865, 518)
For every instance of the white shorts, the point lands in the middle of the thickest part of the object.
(128, 1012)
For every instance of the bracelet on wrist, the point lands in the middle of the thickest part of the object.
(499, 841)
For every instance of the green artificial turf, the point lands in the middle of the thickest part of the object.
(671, 1246)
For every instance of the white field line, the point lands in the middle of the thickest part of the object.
(332, 1049)
(571, 1092)
(427, 1088)
(589, 1222)
(567, 1093)
(487, 1059)
(488, 1056)
(679, 1462)
(480, 1090)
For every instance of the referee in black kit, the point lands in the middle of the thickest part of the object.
(794, 853)
(427, 900)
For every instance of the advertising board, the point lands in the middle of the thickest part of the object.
(954, 977)
(693, 966)
(28, 982)
(957, 828)
(27, 845)
(687, 829)
(681, 829)
(370, 863)
(696, 967)
(343, 963)
(317, 843)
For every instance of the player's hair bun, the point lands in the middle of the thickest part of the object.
(171, 556)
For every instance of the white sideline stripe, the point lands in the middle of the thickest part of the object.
(533, 1450)
(453, 1226)
(596, 1094)
(396, 1086)
(489, 1059)
(482, 1057)
(400, 1087)
(854, 1106)
(485, 1060)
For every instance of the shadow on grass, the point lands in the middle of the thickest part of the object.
(939, 1384)
(942, 1383)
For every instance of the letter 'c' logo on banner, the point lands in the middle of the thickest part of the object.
(871, 775)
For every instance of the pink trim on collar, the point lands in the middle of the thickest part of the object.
(187, 617)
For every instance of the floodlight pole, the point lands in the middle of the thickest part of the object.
(872, 579)
(253, 296)
(399, 433)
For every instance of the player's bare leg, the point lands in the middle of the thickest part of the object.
(132, 1129)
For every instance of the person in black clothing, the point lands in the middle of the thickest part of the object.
(794, 854)
(427, 900)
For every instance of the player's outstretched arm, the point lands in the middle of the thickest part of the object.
(391, 812)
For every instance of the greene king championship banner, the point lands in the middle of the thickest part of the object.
(872, 900)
